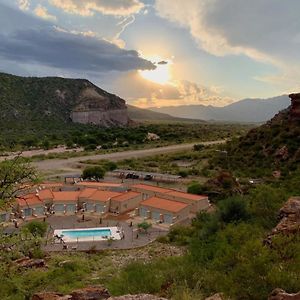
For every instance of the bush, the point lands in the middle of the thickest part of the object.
(36, 228)
(233, 210)
(144, 226)
(96, 173)
(195, 188)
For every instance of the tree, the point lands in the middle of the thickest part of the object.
(233, 210)
(195, 188)
(36, 228)
(96, 173)
(15, 175)
(144, 226)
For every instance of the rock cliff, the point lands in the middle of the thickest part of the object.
(32, 100)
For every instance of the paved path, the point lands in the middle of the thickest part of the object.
(68, 164)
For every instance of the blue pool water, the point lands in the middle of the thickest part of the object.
(83, 233)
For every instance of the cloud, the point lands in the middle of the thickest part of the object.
(24, 4)
(65, 50)
(143, 93)
(107, 7)
(260, 29)
(42, 12)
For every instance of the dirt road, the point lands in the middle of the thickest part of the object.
(71, 164)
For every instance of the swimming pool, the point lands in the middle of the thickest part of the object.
(88, 234)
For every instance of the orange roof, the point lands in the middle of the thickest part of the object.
(187, 196)
(30, 199)
(103, 195)
(126, 196)
(51, 184)
(160, 203)
(45, 194)
(86, 193)
(151, 188)
(66, 196)
(98, 184)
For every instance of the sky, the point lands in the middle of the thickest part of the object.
(155, 53)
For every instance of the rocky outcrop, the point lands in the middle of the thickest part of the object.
(279, 294)
(289, 216)
(28, 263)
(216, 297)
(50, 296)
(100, 108)
(137, 297)
(92, 293)
(295, 107)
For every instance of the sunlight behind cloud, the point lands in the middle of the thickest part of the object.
(162, 73)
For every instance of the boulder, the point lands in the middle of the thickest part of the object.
(290, 217)
(137, 297)
(90, 293)
(30, 263)
(50, 296)
(279, 294)
(215, 297)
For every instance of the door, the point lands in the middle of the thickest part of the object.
(168, 218)
(143, 212)
(70, 208)
(39, 210)
(90, 207)
(99, 208)
(27, 212)
(59, 208)
(156, 216)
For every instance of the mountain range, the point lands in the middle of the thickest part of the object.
(247, 110)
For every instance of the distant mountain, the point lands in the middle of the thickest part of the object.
(247, 110)
(140, 114)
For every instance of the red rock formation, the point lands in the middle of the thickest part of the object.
(295, 107)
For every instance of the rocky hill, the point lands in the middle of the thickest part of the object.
(25, 100)
(274, 146)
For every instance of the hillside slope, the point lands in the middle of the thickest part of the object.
(247, 110)
(274, 146)
(25, 101)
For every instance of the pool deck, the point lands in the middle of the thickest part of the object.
(132, 237)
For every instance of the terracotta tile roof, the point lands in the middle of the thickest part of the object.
(30, 199)
(160, 203)
(103, 195)
(87, 192)
(45, 194)
(98, 184)
(51, 184)
(151, 188)
(66, 196)
(186, 195)
(126, 196)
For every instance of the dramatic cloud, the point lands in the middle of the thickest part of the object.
(42, 12)
(65, 50)
(107, 7)
(144, 93)
(261, 29)
(24, 4)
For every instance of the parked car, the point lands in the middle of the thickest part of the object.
(132, 176)
(148, 177)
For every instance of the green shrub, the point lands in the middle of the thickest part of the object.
(93, 173)
(36, 228)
